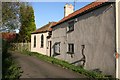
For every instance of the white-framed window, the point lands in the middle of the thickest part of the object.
(57, 48)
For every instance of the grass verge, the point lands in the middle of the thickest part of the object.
(64, 64)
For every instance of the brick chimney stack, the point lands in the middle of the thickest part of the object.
(68, 9)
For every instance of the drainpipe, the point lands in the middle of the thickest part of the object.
(116, 5)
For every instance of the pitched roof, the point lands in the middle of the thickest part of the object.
(45, 28)
(82, 10)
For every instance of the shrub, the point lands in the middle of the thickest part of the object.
(10, 70)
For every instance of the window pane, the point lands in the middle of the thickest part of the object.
(71, 48)
(57, 48)
(42, 40)
(34, 41)
(71, 26)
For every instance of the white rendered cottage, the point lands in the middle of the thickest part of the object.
(41, 39)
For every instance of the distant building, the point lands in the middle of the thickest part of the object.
(8, 36)
(41, 39)
(86, 37)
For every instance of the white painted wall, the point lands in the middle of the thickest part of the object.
(38, 43)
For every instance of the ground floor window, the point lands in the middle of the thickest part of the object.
(34, 41)
(57, 48)
(70, 48)
(42, 41)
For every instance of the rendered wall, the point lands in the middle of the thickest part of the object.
(95, 30)
(38, 43)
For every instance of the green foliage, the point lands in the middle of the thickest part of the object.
(66, 65)
(4, 46)
(27, 22)
(10, 18)
(16, 15)
(10, 70)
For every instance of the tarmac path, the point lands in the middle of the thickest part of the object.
(35, 68)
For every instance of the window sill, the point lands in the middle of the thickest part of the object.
(70, 52)
(70, 31)
(57, 53)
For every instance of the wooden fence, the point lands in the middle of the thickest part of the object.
(21, 46)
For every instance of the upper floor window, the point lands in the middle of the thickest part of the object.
(42, 41)
(71, 26)
(34, 41)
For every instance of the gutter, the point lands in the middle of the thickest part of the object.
(39, 32)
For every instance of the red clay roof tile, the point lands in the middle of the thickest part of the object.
(88, 7)
(45, 28)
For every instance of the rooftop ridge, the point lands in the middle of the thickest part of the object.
(81, 10)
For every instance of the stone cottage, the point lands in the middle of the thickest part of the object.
(41, 39)
(87, 37)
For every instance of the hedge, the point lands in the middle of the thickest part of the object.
(10, 70)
